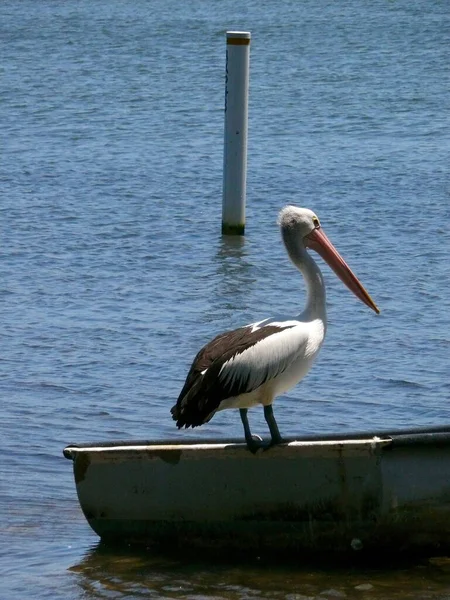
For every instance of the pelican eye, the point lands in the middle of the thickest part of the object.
(316, 222)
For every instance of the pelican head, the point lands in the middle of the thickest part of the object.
(300, 229)
(298, 222)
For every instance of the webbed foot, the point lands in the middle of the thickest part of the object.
(254, 443)
(276, 440)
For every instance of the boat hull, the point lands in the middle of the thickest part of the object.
(356, 496)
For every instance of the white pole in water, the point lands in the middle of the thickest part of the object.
(236, 125)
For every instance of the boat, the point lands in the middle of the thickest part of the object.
(372, 494)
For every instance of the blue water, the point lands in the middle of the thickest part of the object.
(113, 272)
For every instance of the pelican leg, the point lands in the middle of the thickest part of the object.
(253, 441)
(273, 427)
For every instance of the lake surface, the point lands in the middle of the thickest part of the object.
(113, 272)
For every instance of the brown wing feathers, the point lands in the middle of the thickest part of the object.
(202, 394)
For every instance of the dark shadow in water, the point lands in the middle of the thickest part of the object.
(109, 571)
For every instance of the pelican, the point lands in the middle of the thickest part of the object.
(256, 363)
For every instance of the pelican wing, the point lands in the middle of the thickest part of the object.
(234, 363)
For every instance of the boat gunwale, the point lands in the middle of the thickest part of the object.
(375, 442)
(430, 436)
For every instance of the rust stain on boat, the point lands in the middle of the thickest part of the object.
(80, 466)
(172, 457)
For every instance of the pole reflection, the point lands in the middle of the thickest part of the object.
(233, 282)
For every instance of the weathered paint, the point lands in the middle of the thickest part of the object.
(356, 495)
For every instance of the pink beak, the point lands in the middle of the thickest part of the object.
(318, 241)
